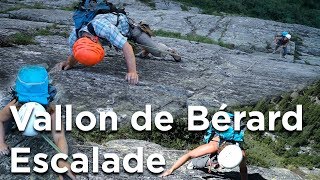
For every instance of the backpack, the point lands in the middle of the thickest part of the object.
(32, 85)
(229, 135)
(88, 9)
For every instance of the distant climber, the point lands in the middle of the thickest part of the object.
(282, 41)
(32, 85)
(223, 149)
(100, 21)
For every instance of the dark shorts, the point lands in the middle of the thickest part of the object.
(205, 160)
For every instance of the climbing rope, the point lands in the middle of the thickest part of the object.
(54, 146)
(165, 52)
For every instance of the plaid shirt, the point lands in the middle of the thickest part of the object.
(105, 27)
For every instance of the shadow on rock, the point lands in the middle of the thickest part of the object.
(230, 175)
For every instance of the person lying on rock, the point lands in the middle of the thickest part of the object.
(115, 28)
(222, 150)
(282, 42)
(32, 86)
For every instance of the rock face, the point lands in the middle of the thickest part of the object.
(124, 147)
(209, 75)
(121, 148)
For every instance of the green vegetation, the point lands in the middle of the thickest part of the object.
(305, 12)
(313, 177)
(71, 7)
(26, 38)
(192, 37)
(183, 139)
(299, 42)
(296, 39)
(309, 137)
(22, 39)
(184, 7)
(296, 55)
(10, 9)
(51, 30)
(38, 5)
(261, 150)
(18, 6)
(188, 37)
(150, 3)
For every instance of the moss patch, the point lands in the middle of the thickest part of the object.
(18, 6)
(27, 38)
(150, 3)
(192, 37)
(22, 39)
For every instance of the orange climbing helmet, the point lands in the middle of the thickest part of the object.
(87, 52)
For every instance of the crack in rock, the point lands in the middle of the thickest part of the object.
(216, 27)
(191, 24)
(225, 29)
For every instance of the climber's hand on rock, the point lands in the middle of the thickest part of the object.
(132, 78)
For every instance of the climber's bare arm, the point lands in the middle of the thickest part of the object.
(132, 75)
(5, 115)
(69, 63)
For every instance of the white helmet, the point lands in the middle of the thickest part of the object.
(230, 156)
(29, 130)
(288, 36)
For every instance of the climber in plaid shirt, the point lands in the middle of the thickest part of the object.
(105, 27)
(113, 28)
